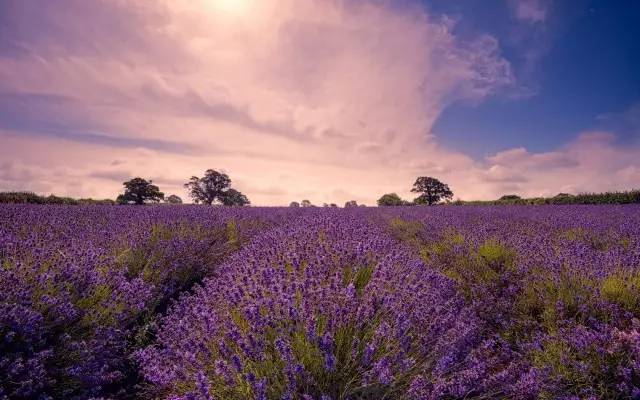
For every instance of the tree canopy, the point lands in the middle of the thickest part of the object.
(391, 199)
(215, 187)
(173, 199)
(510, 197)
(431, 190)
(232, 197)
(140, 191)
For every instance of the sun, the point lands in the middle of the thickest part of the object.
(230, 6)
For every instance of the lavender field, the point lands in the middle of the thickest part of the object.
(201, 303)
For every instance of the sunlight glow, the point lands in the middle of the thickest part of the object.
(236, 7)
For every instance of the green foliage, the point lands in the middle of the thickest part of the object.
(597, 367)
(623, 289)
(215, 187)
(140, 191)
(32, 198)
(596, 241)
(391, 200)
(360, 277)
(431, 190)
(173, 199)
(552, 300)
(626, 197)
(233, 235)
(94, 202)
(232, 197)
(496, 256)
(485, 265)
(406, 231)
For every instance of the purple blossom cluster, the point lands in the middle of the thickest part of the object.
(81, 287)
(411, 303)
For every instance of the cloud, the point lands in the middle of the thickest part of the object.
(13, 172)
(499, 173)
(592, 162)
(53, 115)
(546, 160)
(113, 175)
(330, 100)
(530, 11)
(332, 93)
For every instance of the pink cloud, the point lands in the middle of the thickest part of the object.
(591, 162)
(332, 93)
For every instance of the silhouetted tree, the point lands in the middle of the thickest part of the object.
(213, 187)
(432, 190)
(306, 203)
(294, 204)
(232, 197)
(208, 188)
(139, 191)
(173, 199)
(351, 203)
(390, 199)
(333, 205)
(510, 197)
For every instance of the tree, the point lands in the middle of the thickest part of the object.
(232, 197)
(139, 191)
(510, 197)
(306, 203)
(294, 204)
(333, 205)
(351, 203)
(173, 199)
(390, 199)
(213, 187)
(432, 190)
(208, 188)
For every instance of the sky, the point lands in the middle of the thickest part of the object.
(326, 100)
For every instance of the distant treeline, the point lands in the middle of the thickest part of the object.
(629, 197)
(32, 198)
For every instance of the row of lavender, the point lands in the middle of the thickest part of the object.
(82, 287)
(402, 303)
